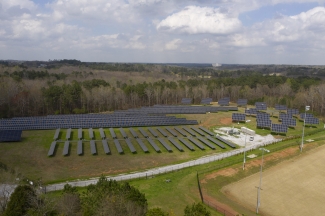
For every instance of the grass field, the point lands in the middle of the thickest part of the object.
(294, 187)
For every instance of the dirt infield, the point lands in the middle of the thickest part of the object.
(294, 187)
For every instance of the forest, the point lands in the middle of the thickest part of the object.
(71, 86)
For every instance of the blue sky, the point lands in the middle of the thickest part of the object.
(194, 31)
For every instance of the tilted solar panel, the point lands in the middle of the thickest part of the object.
(130, 145)
(10, 135)
(153, 144)
(289, 122)
(206, 142)
(134, 134)
(52, 148)
(66, 148)
(238, 117)
(311, 120)
(165, 144)
(242, 102)
(80, 148)
(195, 142)
(93, 147)
(189, 146)
(175, 144)
(105, 147)
(142, 145)
(80, 133)
(226, 141)
(279, 128)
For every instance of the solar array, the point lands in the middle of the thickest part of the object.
(102, 133)
(142, 145)
(130, 145)
(242, 102)
(10, 135)
(224, 101)
(226, 141)
(206, 142)
(66, 148)
(186, 101)
(189, 146)
(238, 117)
(180, 131)
(206, 101)
(292, 112)
(279, 128)
(80, 148)
(196, 143)
(308, 115)
(80, 133)
(52, 148)
(113, 134)
(93, 147)
(123, 133)
(284, 116)
(56, 135)
(189, 131)
(263, 120)
(91, 133)
(165, 144)
(175, 144)
(289, 122)
(68, 134)
(206, 131)
(153, 144)
(261, 105)
(251, 111)
(105, 147)
(311, 120)
(280, 107)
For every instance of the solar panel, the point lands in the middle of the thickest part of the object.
(226, 141)
(186, 100)
(206, 100)
(264, 123)
(118, 146)
(223, 102)
(293, 111)
(134, 134)
(289, 122)
(206, 142)
(56, 135)
(198, 131)
(52, 148)
(130, 145)
(279, 128)
(153, 132)
(165, 144)
(216, 142)
(206, 131)
(284, 116)
(105, 147)
(251, 111)
(102, 133)
(242, 102)
(153, 144)
(162, 132)
(66, 148)
(261, 115)
(280, 107)
(93, 147)
(143, 133)
(261, 105)
(111, 130)
(91, 133)
(175, 144)
(308, 115)
(239, 117)
(180, 131)
(142, 145)
(311, 120)
(189, 146)
(68, 135)
(172, 132)
(10, 135)
(123, 133)
(79, 148)
(80, 133)
(189, 131)
(195, 142)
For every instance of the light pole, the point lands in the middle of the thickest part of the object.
(244, 152)
(303, 129)
(259, 187)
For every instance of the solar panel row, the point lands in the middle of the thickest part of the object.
(10, 135)
(134, 134)
(68, 135)
(162, 132)
(66, 148)
(279, 128)
(91, 133)
(206, 131)
(105, 147)
(189, 146)
(102, 133)
(226, 141)
(153, 144)
(196, 143)
(52, 148)
(240, 117)
(224, 101)
(143, 133)
(80, 148)
(280, 107)
(153, 132)
(172, 132)
(111, 130)
(206, 100)
(175, 144)
(293, 111)
(165, 144)
(289, 122)
(206, 142)
(180, 131)
(251, 111)
(80, 133)
(123, 133)
(189, 131)
(142, 145)
(198, 131)
(130, 145)
(216, 142)
(93, 147)
(242, 102)
(118, 146)
(56, 135)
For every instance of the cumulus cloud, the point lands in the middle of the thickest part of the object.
(198, 20)
(173, 45)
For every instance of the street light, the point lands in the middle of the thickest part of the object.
(259, 188)
(244, 152)
(303, 129)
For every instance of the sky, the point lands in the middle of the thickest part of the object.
(165, 31)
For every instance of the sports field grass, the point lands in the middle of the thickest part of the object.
(294, 187)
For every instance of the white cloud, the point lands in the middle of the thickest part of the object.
(173, 45)
(198, 20)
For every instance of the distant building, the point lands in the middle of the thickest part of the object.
(216, 65)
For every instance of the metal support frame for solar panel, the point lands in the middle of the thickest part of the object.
(134, 134)
(111, 130)
(143, 133)
(189, 146)
(172, 132)
(165, 144)
(289, 122)
(198, 131)
(80, 133)
(226, 141)
(238, 117)
(242, 102)
(175, 144)
(153, 144)
(195, 142)
(180, 131)
(130, 145)
(217, 142)
(79, 147)
(142, 145)
(206, 131)
(118, 146)
(153, 132)
(123, 133)
(68, 135)
(93, 149)
(162, 132)
(102, 133)
(105, 147)
(279, 128)
(52, 148)
(56, 135)
(189, 131)
(206, 142)
(91, 133)
(66, 148)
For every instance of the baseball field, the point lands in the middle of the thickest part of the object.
(293, 187)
